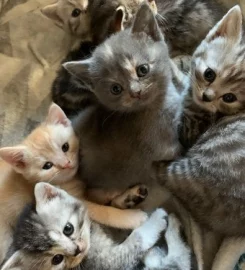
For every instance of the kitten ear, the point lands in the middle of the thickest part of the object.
(50, 11)
(14, 262)
(57, 116)
(45, 192)
(119, 17)
(145, 22)
(230, 26)
(80, 69)
(15, 156)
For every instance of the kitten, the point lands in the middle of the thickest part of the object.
(135, 120)
(107, 17)
(185, 23)
(50, 154)
(217, 87)
(60, 231)
(208, 180)
(72, 16)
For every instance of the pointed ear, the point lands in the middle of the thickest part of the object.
(80, 69)
(50, 11)
(117, 22)
(57, 116)
(15, 156)
(230, 26)
(14, 262)
(44, 193)
(145, 22)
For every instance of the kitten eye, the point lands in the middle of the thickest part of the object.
(57, 259)
(229, 98)
(65, 147)
(142, 70)
(48, 165)
(209, 75)
(76, 12)
(68, 230)
(116, 89)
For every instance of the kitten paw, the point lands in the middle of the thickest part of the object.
(131, 197)
(151, 230)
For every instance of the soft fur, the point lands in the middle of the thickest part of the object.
(223, 51)
(22, 167)
(42, 231)
(123, 134)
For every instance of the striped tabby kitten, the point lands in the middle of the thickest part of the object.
(217, 78)
(59, 229)
(209, 180)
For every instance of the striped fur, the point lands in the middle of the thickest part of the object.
(223, 51)
(209, 180)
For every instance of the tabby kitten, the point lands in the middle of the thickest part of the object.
(209, 179)
(60, 231)
(186, 22)
(135, 120)
(217, 87)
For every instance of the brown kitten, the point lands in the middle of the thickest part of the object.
(48, 154)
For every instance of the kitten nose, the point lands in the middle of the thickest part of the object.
(67, 165)
(206, 98)
(77, 252)
(136, 94)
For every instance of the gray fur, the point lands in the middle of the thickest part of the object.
(101, 253)
(121, 136)
(209, 180)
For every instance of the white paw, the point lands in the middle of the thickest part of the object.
(153, 258)
(151, 230)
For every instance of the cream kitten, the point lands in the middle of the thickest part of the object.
(72, 15)
(48, 154)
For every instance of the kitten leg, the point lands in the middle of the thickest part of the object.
(179, 254)
(130, 252)
(117, 218)
(131, 197)
(101, 196)
(229, 253)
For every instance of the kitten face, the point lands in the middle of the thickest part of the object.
(218, 70)
(50, 152)
(131, 69)
(54, 236)
(66, 221)
(72, 15)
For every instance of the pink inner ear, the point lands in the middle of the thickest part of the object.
(14, 157)
(50, 192)
(57, 116)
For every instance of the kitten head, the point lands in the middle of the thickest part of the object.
(49, 153)
(57, 231)
(131, 69)
(218, 70)
(71, 15)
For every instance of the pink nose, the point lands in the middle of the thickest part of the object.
(67, 165)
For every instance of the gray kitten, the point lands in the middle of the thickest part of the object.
(217, 78)
(135, 120)
(57, 234)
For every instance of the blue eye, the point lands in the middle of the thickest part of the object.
(116, 89)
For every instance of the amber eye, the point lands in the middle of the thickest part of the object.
(48, 165)
(68, 230)
(229, 98)
(116, 89)
(57, 259)
(209, 75)
(65, 147)
(142, 70)
(76, 12)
